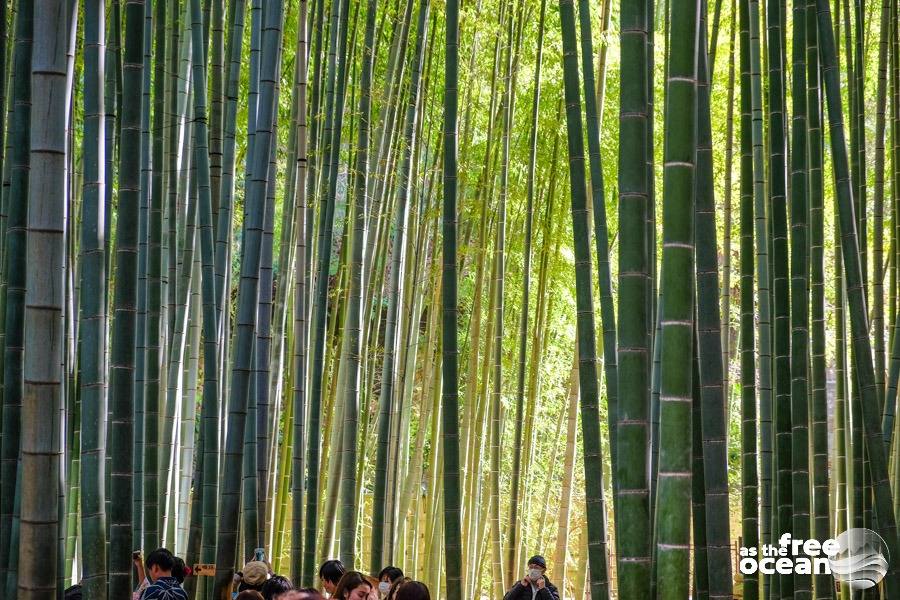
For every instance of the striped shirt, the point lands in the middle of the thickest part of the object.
(165, 588)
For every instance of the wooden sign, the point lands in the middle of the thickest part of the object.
(204, 570)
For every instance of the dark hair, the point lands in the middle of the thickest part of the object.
(396, 586)
(249, 595)
(162, 558)
(73, 593)
(349, 582)
(332, 570)
(275, 585)
(301, 594)
(179, 569)
(413, 590)
(392, 573)
(244, 586)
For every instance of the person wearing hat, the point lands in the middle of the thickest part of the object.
(534, 585)
(253, 576)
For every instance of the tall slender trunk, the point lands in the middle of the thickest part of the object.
(360, 203)
(140, 337)
(819, 423)
(562, 535)
(700, 564)
(890, 407)
(42, 468)
(122, 354)
(799, 291)
(259, 388)
(209, 433)
(332, 131)
(878, 327)
(298, 397)
(248, 293)
(215, 54)
(842, 494)
(384, 500)
(587, 351)
(712, 392)
(474, 405)
(777, 200)
(601, 232)
(749, 425)
(506, 106)
(449, 308)
(513, 525)
(884, 509)
(223, 216)
(635, 146)
(725, 305)
(93, 338)
(152, 404)
(188, 506)
(14, 258)
(677, 314)
(858, 133)
(761, 231)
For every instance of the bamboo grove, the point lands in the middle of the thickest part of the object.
(445, 284)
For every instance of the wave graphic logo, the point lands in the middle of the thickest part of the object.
(861, 560)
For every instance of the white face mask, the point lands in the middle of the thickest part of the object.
(384, 587)
(534, 574)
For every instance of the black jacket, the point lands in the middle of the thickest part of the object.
(521, 592)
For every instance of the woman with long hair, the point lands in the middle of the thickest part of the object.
(353, 586)
(392, 594)
(412, 590)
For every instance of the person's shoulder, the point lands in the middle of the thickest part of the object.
(516, 588)
(153, 590)
(164, 589)
(549, 591)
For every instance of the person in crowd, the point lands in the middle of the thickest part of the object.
(534, 585)
(163, 586)
(330, 573)
(72, 593)
(413, 590)
(137, 558)
(275, 586)
(180, 570)
(374, 594)
(249, 595)
(301, 594)
(353, 586)
(253, 575)
(386, 579)
(392, 593)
